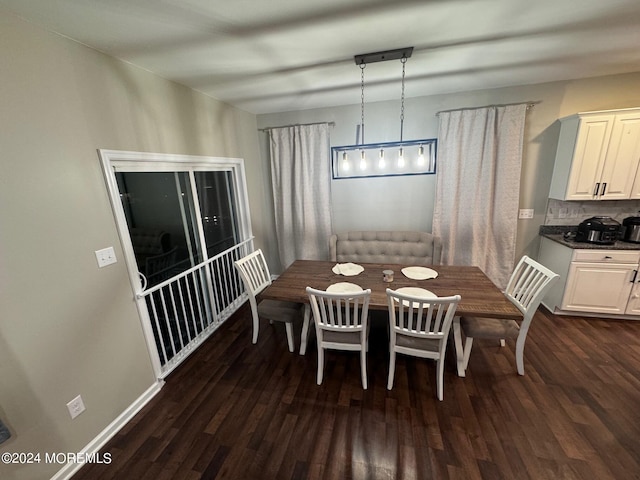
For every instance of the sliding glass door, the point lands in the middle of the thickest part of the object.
(217, 210)
(164, 214)
(183, 221)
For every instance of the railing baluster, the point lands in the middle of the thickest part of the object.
(187, 317)
(178, 321)
(157, 324)
(227, 284)
(167, 323)
(192, 286)
(214, 290)
(196, 290)
(219, 287)
(183, 304)
(194, 303)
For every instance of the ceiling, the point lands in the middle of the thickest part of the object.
(281, 55)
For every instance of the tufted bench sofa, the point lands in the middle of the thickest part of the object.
(409, 248)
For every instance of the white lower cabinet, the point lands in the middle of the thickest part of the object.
(598, 288)
(596, 281)
(633, 307)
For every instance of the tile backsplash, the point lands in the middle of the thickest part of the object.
(560, 212)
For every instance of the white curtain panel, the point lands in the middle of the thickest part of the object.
(301, 181)
(478, 187)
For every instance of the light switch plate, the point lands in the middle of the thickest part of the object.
(106, 256)
(525, 213)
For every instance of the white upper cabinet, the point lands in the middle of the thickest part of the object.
(598, 156)
(630, 142)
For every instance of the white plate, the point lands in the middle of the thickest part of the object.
(419, 273)
(347, 269)
(416, 292)
(344, 287)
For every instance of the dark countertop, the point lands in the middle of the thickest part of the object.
(619, 245)
(556, 233)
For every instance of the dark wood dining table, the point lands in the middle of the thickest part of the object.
(480, 297)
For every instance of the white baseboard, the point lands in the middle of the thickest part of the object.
(66, 472)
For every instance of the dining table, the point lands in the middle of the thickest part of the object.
(480, 297)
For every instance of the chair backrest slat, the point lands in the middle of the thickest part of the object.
(529, 282)
(254, 272)
(339, 311)
(417, 316)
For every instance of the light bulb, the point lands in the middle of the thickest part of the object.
(345, 162)
(420, 156)
(381, 160)
(401, 159)
(363, 160)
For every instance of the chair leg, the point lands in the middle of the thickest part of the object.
(304, 337)
(256, 328)
(363, 368)
(457, 340)
(392, 368)
(520, 356)
(320, 363)
(289, 327)
(468, 343)
(440, 378)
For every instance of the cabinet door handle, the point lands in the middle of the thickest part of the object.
(595, 193)
(604, 188)
(635, 274)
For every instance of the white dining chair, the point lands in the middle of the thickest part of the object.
(527, 286)
(342, 323)
(255, 275)
(419, 327)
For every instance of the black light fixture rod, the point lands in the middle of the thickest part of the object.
(396, 54)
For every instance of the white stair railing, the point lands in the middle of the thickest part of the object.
(186, 309)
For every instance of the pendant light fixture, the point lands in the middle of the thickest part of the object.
(410, 158)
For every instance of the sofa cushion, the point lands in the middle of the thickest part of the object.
(410, 248)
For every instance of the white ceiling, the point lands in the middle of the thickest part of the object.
(280, 55)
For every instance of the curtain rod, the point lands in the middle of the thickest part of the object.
(266, 129)
(529, 106)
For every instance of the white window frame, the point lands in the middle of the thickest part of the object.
(129, 161)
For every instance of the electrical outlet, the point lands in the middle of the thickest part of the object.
(76, 407)
(525, 213)
(106, 256)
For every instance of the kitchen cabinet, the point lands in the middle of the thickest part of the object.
(598, 288)
(633, 307)
(598, 156)
(593, 281)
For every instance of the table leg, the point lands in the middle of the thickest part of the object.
(304, 336)
(457, 339)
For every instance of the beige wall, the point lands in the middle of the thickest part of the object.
(407, 202)
(67, 327)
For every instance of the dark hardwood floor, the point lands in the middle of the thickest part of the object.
(240, 411)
